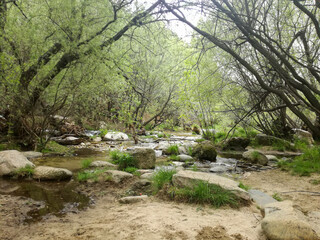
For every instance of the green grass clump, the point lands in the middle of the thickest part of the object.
(89, 175)
(173, 150)
(124, 160)
(174, 158)
(27, 171)
(255, 155)
(301, 144)
(282, 145)
(203, 192)
(86, 163)
(162, 177)
(304, 165)
(103, 132)
(244, 187)
(209, 135)
(130, 169)
(315, 181)
(277, 197)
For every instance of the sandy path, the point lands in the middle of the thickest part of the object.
(152, 220)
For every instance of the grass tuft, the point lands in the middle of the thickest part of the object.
(124, 160)
(86, 163)
(162, 177)
(203, 192)
(173, 150)
(27, 171)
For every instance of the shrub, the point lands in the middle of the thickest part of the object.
(86, 163)
(304, 165)
(209, 135)
(123, 160)
(173, 150)
(203, 192)
(162, 177)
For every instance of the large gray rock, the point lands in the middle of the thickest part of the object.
(32, 155)
(184, 158)
(205, 151)
(255, 157)
(11, 161)
(68, 140)
(115, 136)
(118, 176)
(51, 173)
(102, 164)
(186, 178)
(236, 144)
(303, 135)
(283, 222)
(260, 198)
(267, 140)
(145, 157)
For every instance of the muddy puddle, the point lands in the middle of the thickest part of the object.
(46, 198)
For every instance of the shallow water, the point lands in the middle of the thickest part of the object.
(72, 163)
(55, 198)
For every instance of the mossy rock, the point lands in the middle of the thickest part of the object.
(205, 151)
(255, 157)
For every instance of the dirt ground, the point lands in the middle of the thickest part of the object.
(158, 219)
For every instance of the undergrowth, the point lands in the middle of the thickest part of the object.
(124, 160)
(162, 177)
(304, 165)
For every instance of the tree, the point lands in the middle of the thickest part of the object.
(275, 44)
(44, 43)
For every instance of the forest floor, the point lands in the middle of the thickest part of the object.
(159, 219)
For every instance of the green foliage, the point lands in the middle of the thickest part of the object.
(103, 132)
(190, 150)
(194, 168)
(174, 158)
(161, 135)
(300, 144)
(277, 197)
(86, 163)
(24, 172)
(244, 187)
(200, 140)
(282, 145)
(162, 177)
(130, 169)
(219, 136)
(209, 135)
(124, 160)
(304, 165)
(203, 192)
(173, 150)
(9, 146)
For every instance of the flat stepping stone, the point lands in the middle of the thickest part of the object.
(260, 198)
(102, 164)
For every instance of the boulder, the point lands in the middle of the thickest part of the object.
(32, 155)
(133, 199)
(186, 178)
(146, 176)
(205, 151)
(283, 222)
(11, 161)
(272, 158)
(118, 176)
(184, 158)
(115, 136)
(145, 157)
(236, 144)
(255, 157)
(97, 139)
(303, 135)
(102, 164)
(68, 140)
(260, 198)
(267, 140)
(51, 173)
